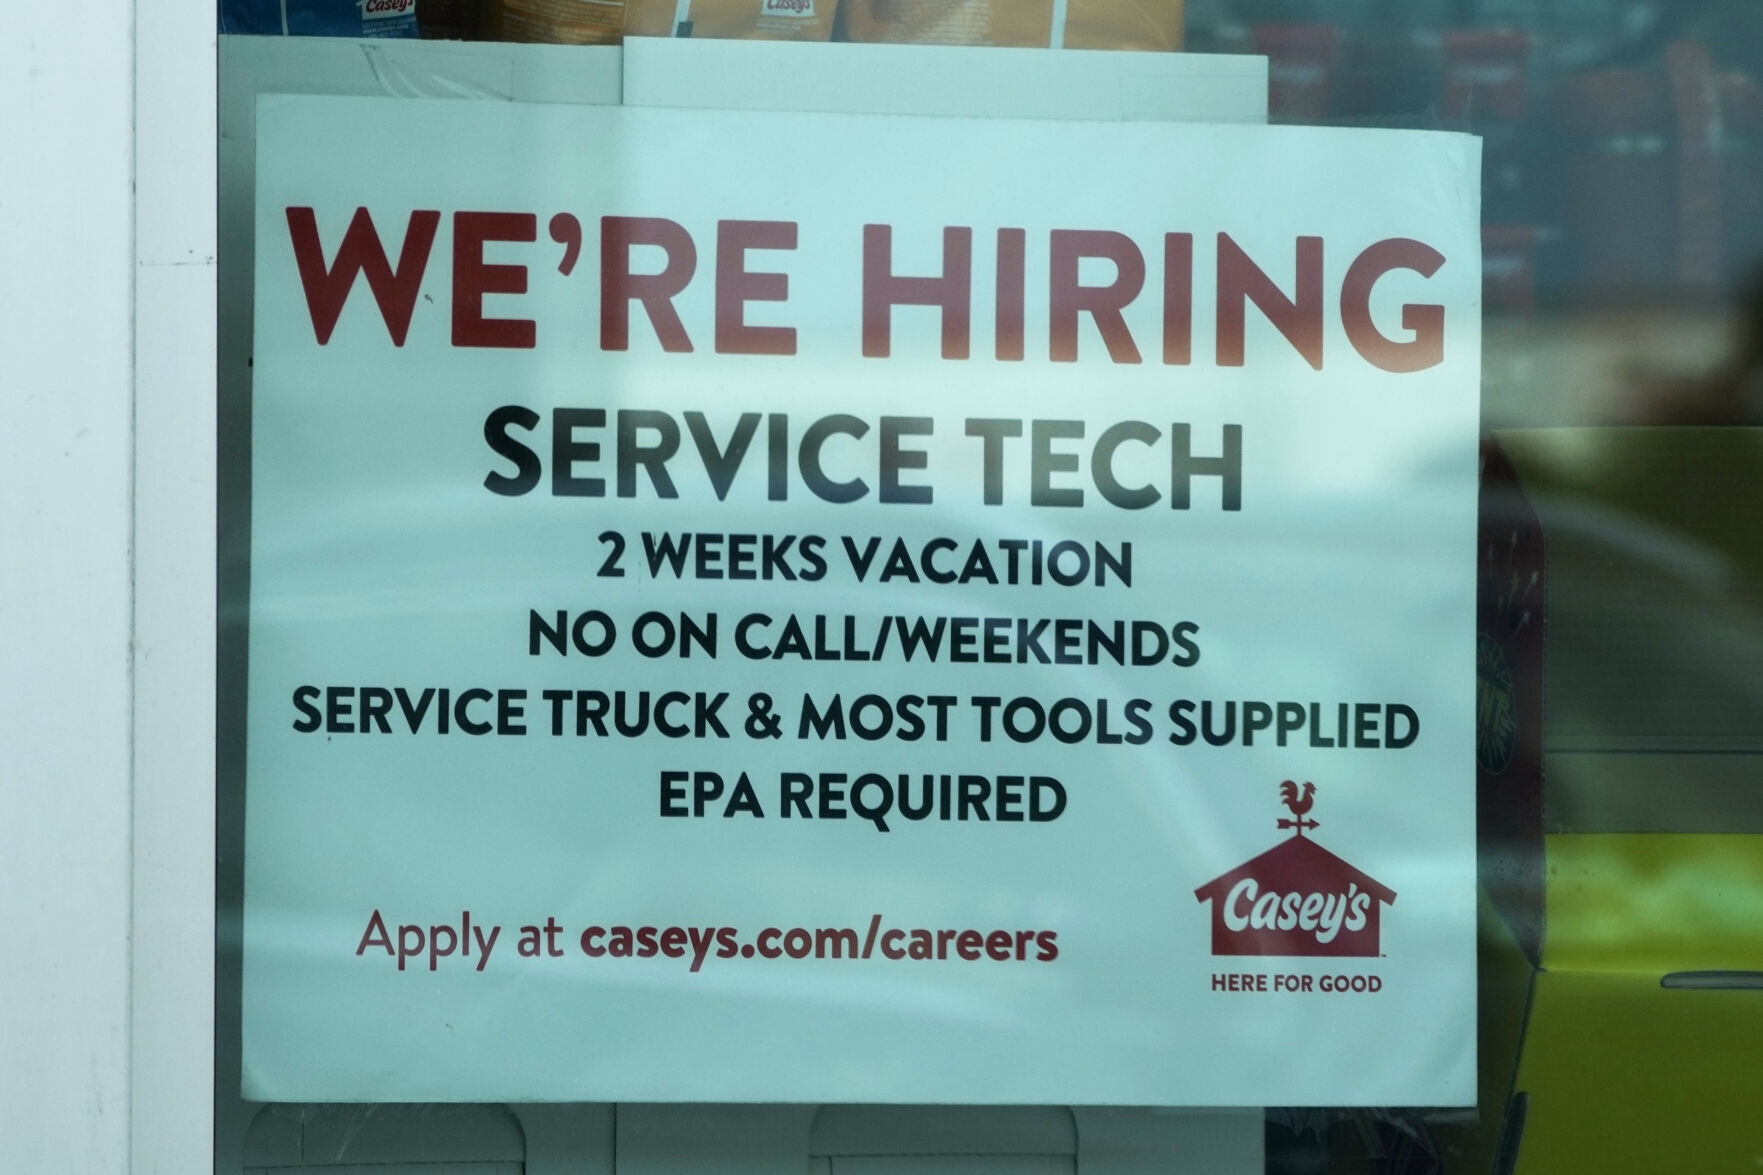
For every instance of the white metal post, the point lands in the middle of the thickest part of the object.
(106, 587)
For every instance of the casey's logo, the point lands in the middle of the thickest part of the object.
(1297, 898)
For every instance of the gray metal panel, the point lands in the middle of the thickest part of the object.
(568, 1139)
(1154, 1141)
(956, 1165)
(333, 1137)
(713, 1139)
(398, 1169)
(413, 1133)
(274, 1137)
(944, 1130)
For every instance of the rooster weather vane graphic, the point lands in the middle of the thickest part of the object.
(1299, 806)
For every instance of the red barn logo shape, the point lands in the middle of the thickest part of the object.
(1297, 898)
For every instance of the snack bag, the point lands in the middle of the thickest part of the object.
(1150, 25)
(319, 18)
(1085, 24)
(1018, 23)
(558, 22)
(747, 20)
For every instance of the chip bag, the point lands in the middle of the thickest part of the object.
(1152, 25)
(319, 18)
(558, 22)
(746, 20)
(1085, 24)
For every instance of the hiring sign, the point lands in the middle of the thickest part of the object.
(835, 609)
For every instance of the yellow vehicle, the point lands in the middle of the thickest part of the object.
(1646, 1016)
(1631, 1038)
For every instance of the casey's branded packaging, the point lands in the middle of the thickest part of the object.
(1086, 24)
(744, 20)
(560, 22)
(319, 18)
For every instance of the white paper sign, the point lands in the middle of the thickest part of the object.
(844, 609)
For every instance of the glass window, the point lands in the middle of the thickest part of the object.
(1618, 693)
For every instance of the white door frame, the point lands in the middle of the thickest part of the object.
(107, 473)
(172, 996)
